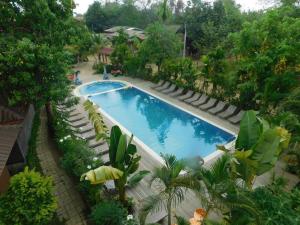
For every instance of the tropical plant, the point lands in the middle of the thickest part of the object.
(179, 70)
(219, 191)
(276, 206)
(108, 213)
(29, 200)
(123, 156)
(258, 147)
(174, 185)
(102, 174)
(100, 128)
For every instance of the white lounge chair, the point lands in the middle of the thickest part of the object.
(203, 99)
(218, 108)
(211, 103)
(170, 89)
(166, 85)
(230, 111)
(160, 83)
(176, 93)
(186, 96)
(237, 118)
(195, 97)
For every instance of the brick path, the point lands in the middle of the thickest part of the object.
(70, 204)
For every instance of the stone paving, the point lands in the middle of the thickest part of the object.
(70, 205)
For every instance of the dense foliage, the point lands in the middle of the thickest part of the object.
(77, 157)
(209, 24)
(32, 158)
(103, 16)
(111, 213)
(33, 59)
(29, 200)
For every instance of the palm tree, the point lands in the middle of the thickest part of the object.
(220, 190)
(174, 185)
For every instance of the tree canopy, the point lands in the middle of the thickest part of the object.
(33, 61)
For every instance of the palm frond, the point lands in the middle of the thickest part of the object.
(97, 120)
(151, 204)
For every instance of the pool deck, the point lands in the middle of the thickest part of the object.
(148, 162)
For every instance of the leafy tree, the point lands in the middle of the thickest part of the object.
(266, 50)
(29, 200)
(208, 24)
(159, 45)
(81, 40)
(214, 68)
(173, 184)
(180, 70)
(122, 51)
(100, 17)
(95, 17)
(33, 61)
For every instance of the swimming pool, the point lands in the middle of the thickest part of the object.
(162, 127)
(98, 87)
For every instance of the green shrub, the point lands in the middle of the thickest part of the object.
(109, 213)
(32, 159)
(276, 207)
(179, 70)
(78, 157)
(29, 200)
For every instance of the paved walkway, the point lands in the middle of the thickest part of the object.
(70, 204)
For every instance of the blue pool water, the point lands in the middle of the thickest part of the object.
(100, 87)
(161, 126)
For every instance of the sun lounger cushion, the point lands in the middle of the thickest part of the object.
(176, 93)
(194, 98)
(186, 96)
(211, 103)
(237, 118)
(166, 85)
(218, 108)
(203, 99)
(230, 111)
(170, 89)
(158, 84)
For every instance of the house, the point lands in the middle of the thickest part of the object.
(132, 32)
(15, 131)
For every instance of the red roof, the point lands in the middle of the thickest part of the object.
(106, 51)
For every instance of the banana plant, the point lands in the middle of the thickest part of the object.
(102, 174)
(123, 156)
(257, 148)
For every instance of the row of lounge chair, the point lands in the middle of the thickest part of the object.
(201, 101)
(83, 129)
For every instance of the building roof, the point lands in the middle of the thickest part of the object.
(131, 31)
(106, 51)
(9, 116)
(8, 136)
